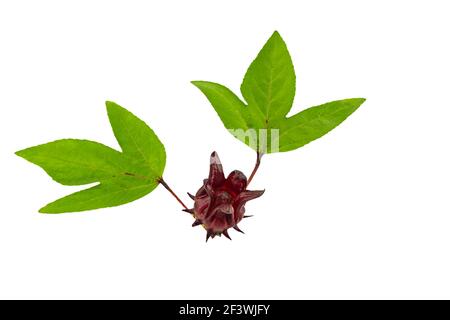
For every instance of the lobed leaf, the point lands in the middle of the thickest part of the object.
(269, 89)
(122, 176)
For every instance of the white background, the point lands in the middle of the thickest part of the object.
(361, 213)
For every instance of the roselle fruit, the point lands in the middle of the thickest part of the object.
(220, 203)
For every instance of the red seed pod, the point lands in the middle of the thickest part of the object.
(220, 203)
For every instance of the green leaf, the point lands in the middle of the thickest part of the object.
(269, 89)
(314, 122)
(228, 106)
(122, 176)
(269, 83)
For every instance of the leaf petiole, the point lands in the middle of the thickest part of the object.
(165, 185)
(257, 164)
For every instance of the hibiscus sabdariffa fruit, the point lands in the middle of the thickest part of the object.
(220, 203)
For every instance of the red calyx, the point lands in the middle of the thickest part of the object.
(220, 203)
